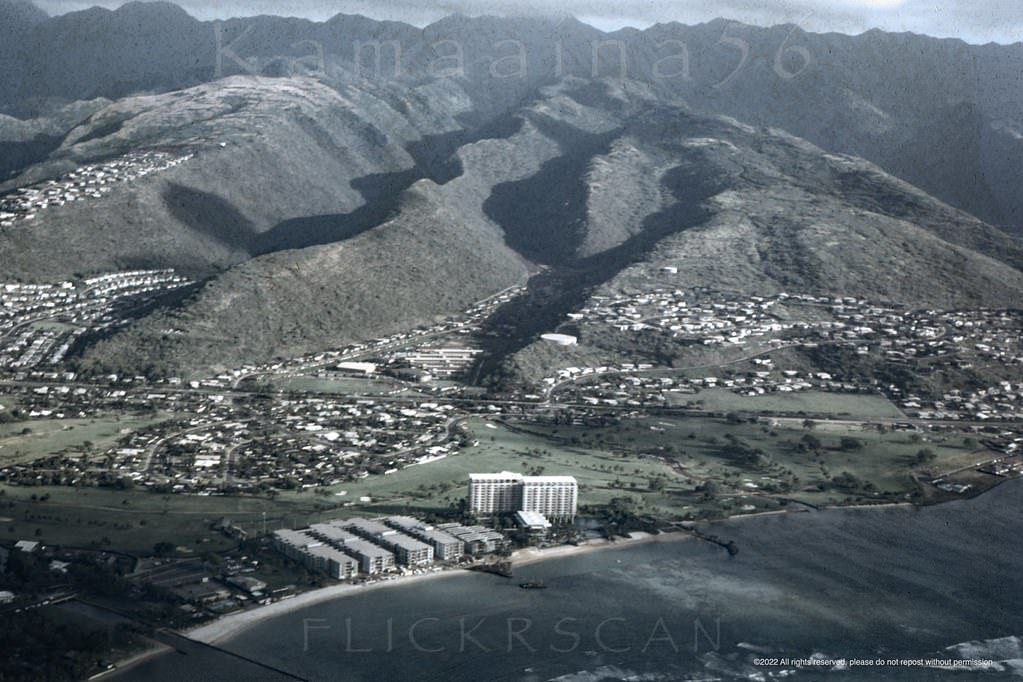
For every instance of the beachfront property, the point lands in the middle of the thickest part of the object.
(446, 547)
(476, 539)
(532, 521)
(555, 497)
(407, 550)
(373, 559)
(345, 548)
(495, 493)
(315, 554)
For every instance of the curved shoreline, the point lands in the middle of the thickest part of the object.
(224, 628)
(231, 625)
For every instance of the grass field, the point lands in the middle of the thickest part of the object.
(750, 467)
(859, 406)
(49, 436)
(134, 520)
(684, 454)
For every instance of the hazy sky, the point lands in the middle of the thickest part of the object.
(976, 21)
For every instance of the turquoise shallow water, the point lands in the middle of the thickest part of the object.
(893, 584)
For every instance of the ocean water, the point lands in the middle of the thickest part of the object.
(869, 594)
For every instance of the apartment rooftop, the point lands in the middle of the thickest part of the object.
(503, 476)
(549, 479)
(369, 527)
(332, 533)
(422, 530)
(294, 538)
(328, 552)
(367, 548)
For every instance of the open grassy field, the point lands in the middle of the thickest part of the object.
(858, 406)
(134, 520)
(741, 459)
(683, 455)
(506, 449)
(28, 440)
(670, 468)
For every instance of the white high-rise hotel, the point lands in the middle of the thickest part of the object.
(553, 496)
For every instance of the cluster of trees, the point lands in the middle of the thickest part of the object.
(810, 442)
(38, 648)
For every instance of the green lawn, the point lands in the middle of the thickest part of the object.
(609, 462)
(46, 437)
(501, 449)
(630, 454)
(134, 520)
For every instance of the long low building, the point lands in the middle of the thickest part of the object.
(315, 554)
(446, 547)
(407, 550)
(373, 559)
(476, 539)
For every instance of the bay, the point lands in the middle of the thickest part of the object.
(888, 587)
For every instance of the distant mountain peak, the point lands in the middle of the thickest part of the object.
(22, 12)
(153, 9)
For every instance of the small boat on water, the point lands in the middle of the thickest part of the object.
(533, 585)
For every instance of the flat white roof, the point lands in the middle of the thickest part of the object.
(328, 552)
(367, 367)
(504, 475)
(369, 526)
(367, 548)
(532, 519)
(295, 537)
(508, 475)
(548, 479)
(332, 532)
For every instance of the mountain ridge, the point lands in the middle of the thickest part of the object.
(958, 137)
(320, 198)
(728, 206)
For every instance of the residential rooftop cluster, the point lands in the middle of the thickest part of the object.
(638, 385)
(225, 446)
(712, 319)
(927, 341)
(39, 323)
(85, 183)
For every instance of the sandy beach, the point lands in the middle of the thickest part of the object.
(531, 555)
(232, 624)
